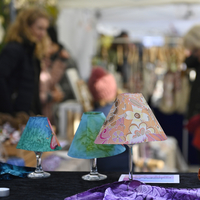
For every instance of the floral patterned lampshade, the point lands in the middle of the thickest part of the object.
(38, 136)
(83, 145)
(130, 121)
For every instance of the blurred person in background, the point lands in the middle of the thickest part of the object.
(118, 55)
(59, 61)
(20, 62)
(50, 92)
(192, 42)
(103, 88)
(54, 85)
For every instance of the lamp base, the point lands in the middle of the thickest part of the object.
(94, 177)
(39, 175)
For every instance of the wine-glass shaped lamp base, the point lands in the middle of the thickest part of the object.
(130, 162)
(94, 175)
(39, 173)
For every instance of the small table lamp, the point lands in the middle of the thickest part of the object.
(130, 121)
(83, 145)
(38, 136)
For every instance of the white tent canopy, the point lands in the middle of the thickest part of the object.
(96, 4)
(154, 20)
(80, 21)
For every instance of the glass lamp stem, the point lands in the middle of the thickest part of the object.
(93, 166)
(130, 162)
(94, 175)
(39, 173)
(39, 166)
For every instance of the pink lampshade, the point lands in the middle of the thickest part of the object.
(130, 121)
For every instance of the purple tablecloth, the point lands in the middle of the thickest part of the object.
(136, 190)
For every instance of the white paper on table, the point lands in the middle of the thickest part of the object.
(152, 178)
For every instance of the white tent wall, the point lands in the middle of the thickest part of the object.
(77, 32)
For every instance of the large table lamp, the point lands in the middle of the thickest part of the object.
(38, 136)
(83, 145)
(130, 121)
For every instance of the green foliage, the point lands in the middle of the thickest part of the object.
(53, 12)
(4, 13)
(4, 16)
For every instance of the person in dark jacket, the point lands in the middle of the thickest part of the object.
(20, 63)
(192, 43)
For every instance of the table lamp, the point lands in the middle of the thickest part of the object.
(83, 145)
(130, 121)
(38, 136)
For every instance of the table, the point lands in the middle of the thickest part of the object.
(64, 184)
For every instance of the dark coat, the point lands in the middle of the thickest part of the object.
(19, 79)
(194, 101)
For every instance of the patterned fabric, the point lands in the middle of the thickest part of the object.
(130, 121)
(83, 145)
(39, 136)
(136, 190)
(8, 172)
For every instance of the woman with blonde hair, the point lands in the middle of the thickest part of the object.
(20, 62)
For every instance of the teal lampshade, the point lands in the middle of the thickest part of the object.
(39, 136)
(83, 145)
